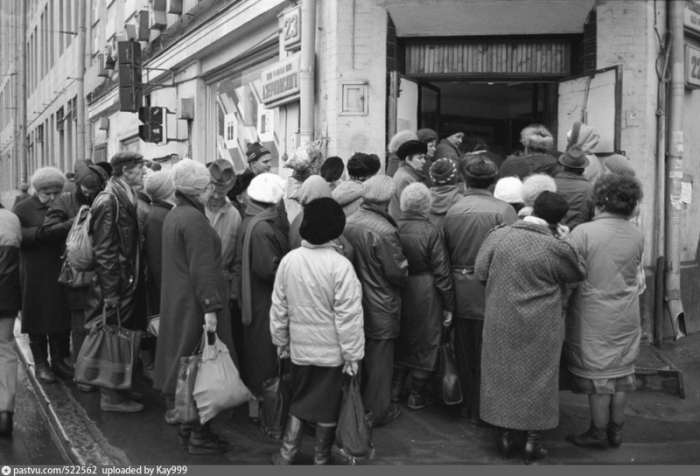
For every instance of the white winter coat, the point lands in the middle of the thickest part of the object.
(317, 307)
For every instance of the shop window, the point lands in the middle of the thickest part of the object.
(131, 144)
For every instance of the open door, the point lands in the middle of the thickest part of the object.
(407, 105)
(593, 98)
(429, 110)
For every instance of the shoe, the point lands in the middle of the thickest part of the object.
(171, 417)
(125, 406)
(86, 388)
(310, 429)
(135, 396)
(594, 438)
(392, 414)
(533, 448)
(5, 423)
(505, 442)
(205, 441)
(324, 440)
(44, 373)
(397, 384)
(62, 369)
(419, 397)
(291, 442)
(183, 433)
(615, 434)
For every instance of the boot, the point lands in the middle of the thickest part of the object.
(505, 441)
(59, 348)
(43, 372)
(204, 441)
(533, 448)
(324, 439)
(397, 383)
(291, 441)
(419, 397)
(594, 438)
(5, 423)
(183, 433)
(615, 434)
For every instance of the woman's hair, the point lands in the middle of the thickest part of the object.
(616, 193)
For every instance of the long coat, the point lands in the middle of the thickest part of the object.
(10, 239)
(153, 250)
(404, 176)
(427, 294)
(193, 285)
(524, 268)
(44, 306)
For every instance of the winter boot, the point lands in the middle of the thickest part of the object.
(59, 347)
(615, 434)
(594, 438)
(419, 397)
(291, 442)
(37, 344)
(204, 441)
(5, 423)
(324, 439)
(505, 442)
(533, 448)
(397, 383)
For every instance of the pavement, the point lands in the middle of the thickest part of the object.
(661, 428)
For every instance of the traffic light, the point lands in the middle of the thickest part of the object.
(130, 87)
(152, 118)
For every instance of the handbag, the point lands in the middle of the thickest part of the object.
(107, 356)
(185, 408)
(353, 435)
(277, 396)
(72, 278)
(447, 383)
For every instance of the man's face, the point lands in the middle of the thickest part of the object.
(456, 139)
(49, 194)
(134, 176)
(416, 161)
(88, 193)
(217, 199)
(262, 165)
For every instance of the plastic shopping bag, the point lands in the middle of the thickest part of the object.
(353, 435)
(185, 408)
(275, 406)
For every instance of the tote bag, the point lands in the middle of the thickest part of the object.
(447, 383)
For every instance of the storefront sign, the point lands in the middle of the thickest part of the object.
(692, 66)
(280, 83)
(691, 19)
(291, 31)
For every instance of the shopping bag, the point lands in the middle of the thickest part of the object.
(277, 396)
(218, 386)
(447, 383)
(185, 408)
(353, 435)
(107, 356)
(154, 325)
(72, 278)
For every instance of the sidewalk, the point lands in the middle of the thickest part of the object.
(660, 429)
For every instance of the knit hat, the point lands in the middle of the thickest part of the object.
(480, 168)
(255, 151)
(411, 148)
(324, 220)
(443, 172)
(427, 135)
(399, 138)
(361, 166)
(267, 188)
(378, 189)
(619, 164)
(160, 186)
(47, 177)
(241, 185)
(222, 175)
(536, 184)
(509, 189)
(416, 198)
(24, 187)
(190, 177)
(313, 187)
(126, 157)
(515, 167)
(332, 169)
(451, 129)
(551, 207)
(536, 136)
(94, 176)
(574, 158)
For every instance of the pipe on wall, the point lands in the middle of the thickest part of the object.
(81, 145)
(307, 71)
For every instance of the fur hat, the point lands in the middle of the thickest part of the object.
(515, 167)
(24, 187)
(378, 189)
(619, 164)
(416, 198)
(509, 189)
(410, 148)
(160, 186)
(307, 160)
(451, 129)
(126, 157)
(255, 151)
(536, 184)
(190, 177)
(222, 175)
(551, 207)
(427, 135)
(313, 187)
(399, 138)
(443, 172)
(480, 168)
(47, 177)
(332, 169)
(361, 166)
(95, 176)
(536, 136)
(324, 220)
(267, 188)
(574, 158)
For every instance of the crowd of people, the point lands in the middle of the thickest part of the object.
(531, 264)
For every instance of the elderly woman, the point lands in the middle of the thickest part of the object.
(524, 267)
(444, 191)
(412, 156)
(348, 194)
(427, 300)
(537, 141)
(603, 324)
(47, 320)
(531, 189)
(317, 319)
(587, 137)
(194, 292)
(399, 139)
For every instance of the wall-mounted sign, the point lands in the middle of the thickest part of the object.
(291, 29)
(230, 130)
(280, 83)
(266, 132)
(692, 66)
(691, 19)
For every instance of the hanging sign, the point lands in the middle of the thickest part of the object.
(692, 66)
(691, 18)
(280, 83)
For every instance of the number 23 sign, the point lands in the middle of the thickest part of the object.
(291, 31)
(692, 66)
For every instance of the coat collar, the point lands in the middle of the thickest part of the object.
(162, 204)
(478, 191)
(416, 174)
(413, 216)
(184, 200)
(571, 176)
(377, 209)
(536, 227)
(329, 244)
(36, 203)
(608, 215)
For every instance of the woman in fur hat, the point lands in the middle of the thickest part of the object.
(399, 139)
(537, 141)
(349, 193)
(412, 155)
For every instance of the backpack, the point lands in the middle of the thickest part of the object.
(79, 252)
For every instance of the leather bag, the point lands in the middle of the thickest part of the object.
(447, 384)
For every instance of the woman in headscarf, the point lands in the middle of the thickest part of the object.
(587, 137)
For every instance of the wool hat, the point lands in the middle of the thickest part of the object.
(126, 157)
(427, 135)
(256, 151)
(534, 185)
(443, 172)
(509, 189)
(515, 167)
(160, 186)
(313, 187)
(574, 158)
(480, 168)
(267, 188)
(24, 187)
(47, 177)
(619, 164)
(222, 175)
(551, 207)
(416, 198)
(190, 177)
(95, 176)
(451, 129)
(536, 136)
(411, 148)
(378, 189)
(399, 138)
(324, 220)
(332, 169)
(361, 165)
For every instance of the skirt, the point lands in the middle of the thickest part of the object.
(316, 393)
(603, 386)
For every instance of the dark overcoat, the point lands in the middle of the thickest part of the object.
(193, 284)
(10, 239)
(44, 305)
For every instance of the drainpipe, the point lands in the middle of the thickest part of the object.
(674, 171)
(306, 73)
(21, 98)
(80, 102)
